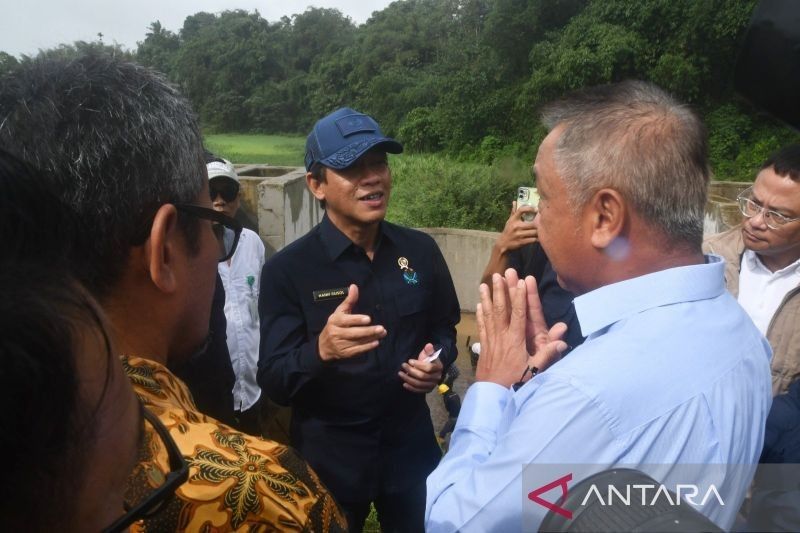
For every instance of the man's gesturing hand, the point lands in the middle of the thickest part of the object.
(510, 321)
(347, 335)
(419, 376)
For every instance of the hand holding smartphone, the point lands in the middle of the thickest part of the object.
(528, 196)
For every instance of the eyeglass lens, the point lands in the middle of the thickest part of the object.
(751, 209)
(225, 189)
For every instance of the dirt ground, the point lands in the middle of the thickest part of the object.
(467, 332)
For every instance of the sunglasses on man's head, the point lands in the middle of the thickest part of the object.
(223, 187)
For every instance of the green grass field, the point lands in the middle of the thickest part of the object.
(280, 150)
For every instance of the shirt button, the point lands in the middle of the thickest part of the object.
(378, 307)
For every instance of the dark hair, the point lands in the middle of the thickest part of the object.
(115, 141)
(786, 162)
(35, 225)
(43, 315)
(48, 425)
(634, 137)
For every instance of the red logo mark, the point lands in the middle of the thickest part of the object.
(560, 482)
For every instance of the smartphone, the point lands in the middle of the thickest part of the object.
(528, 196)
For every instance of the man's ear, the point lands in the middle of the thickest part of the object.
(315, 186)
(607, 213)
(162, 248)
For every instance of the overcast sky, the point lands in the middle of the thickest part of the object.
(28, 25)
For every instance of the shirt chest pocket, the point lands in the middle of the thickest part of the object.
(412, 302)
(318, 313)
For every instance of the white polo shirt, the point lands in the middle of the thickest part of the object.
(762, 291)
(241, 281)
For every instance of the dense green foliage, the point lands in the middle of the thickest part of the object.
(461, 78)
(464, 77)
(436, 191)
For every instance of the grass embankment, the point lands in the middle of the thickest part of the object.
(279, 150)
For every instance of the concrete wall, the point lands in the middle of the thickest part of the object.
(286, 209)
(466, 252)
(283, 210)
(250, 176)
(722, 208)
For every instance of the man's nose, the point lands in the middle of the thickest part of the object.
(759, 219)
(369, 176)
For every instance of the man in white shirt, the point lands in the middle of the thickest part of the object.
(240, 276)
(763, 260)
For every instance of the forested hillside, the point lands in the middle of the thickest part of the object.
(462, 77)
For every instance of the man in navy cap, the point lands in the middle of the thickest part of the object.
(358, 324)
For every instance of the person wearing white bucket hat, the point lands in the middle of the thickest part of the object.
(240, 277)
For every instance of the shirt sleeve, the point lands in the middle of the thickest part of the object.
(503, 447)
(446, 311)
(287, 358)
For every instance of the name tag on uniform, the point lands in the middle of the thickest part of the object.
(330, 294)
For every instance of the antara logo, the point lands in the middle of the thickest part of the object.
(534, 495)
(625, 495)
(688, 492)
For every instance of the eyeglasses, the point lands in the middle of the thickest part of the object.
(226, 229)
(224, 187)
(156, 500)
(750, 209)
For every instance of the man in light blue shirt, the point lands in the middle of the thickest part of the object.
(673, 372)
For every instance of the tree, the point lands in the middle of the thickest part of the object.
(159, 49)
(7, 63)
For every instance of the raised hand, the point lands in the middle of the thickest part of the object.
(346, 335)
(510, 320)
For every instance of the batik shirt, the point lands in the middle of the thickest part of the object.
(236, 482)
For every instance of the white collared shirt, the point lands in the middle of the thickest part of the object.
(241, 281)
(762, 291)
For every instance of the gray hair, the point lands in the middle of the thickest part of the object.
(114, 140)
(635, 138)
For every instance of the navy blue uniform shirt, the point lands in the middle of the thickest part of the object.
(352, 420)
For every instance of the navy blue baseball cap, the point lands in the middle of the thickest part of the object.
(340, 138)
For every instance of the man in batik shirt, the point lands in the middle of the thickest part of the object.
(123, 151)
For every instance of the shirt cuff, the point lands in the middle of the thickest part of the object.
(483, 405)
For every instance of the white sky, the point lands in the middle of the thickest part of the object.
(29, 25)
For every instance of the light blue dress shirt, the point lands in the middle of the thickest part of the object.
(673, 372)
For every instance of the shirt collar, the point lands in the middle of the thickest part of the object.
(755, 264)
(603, 307)
(336, 242)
